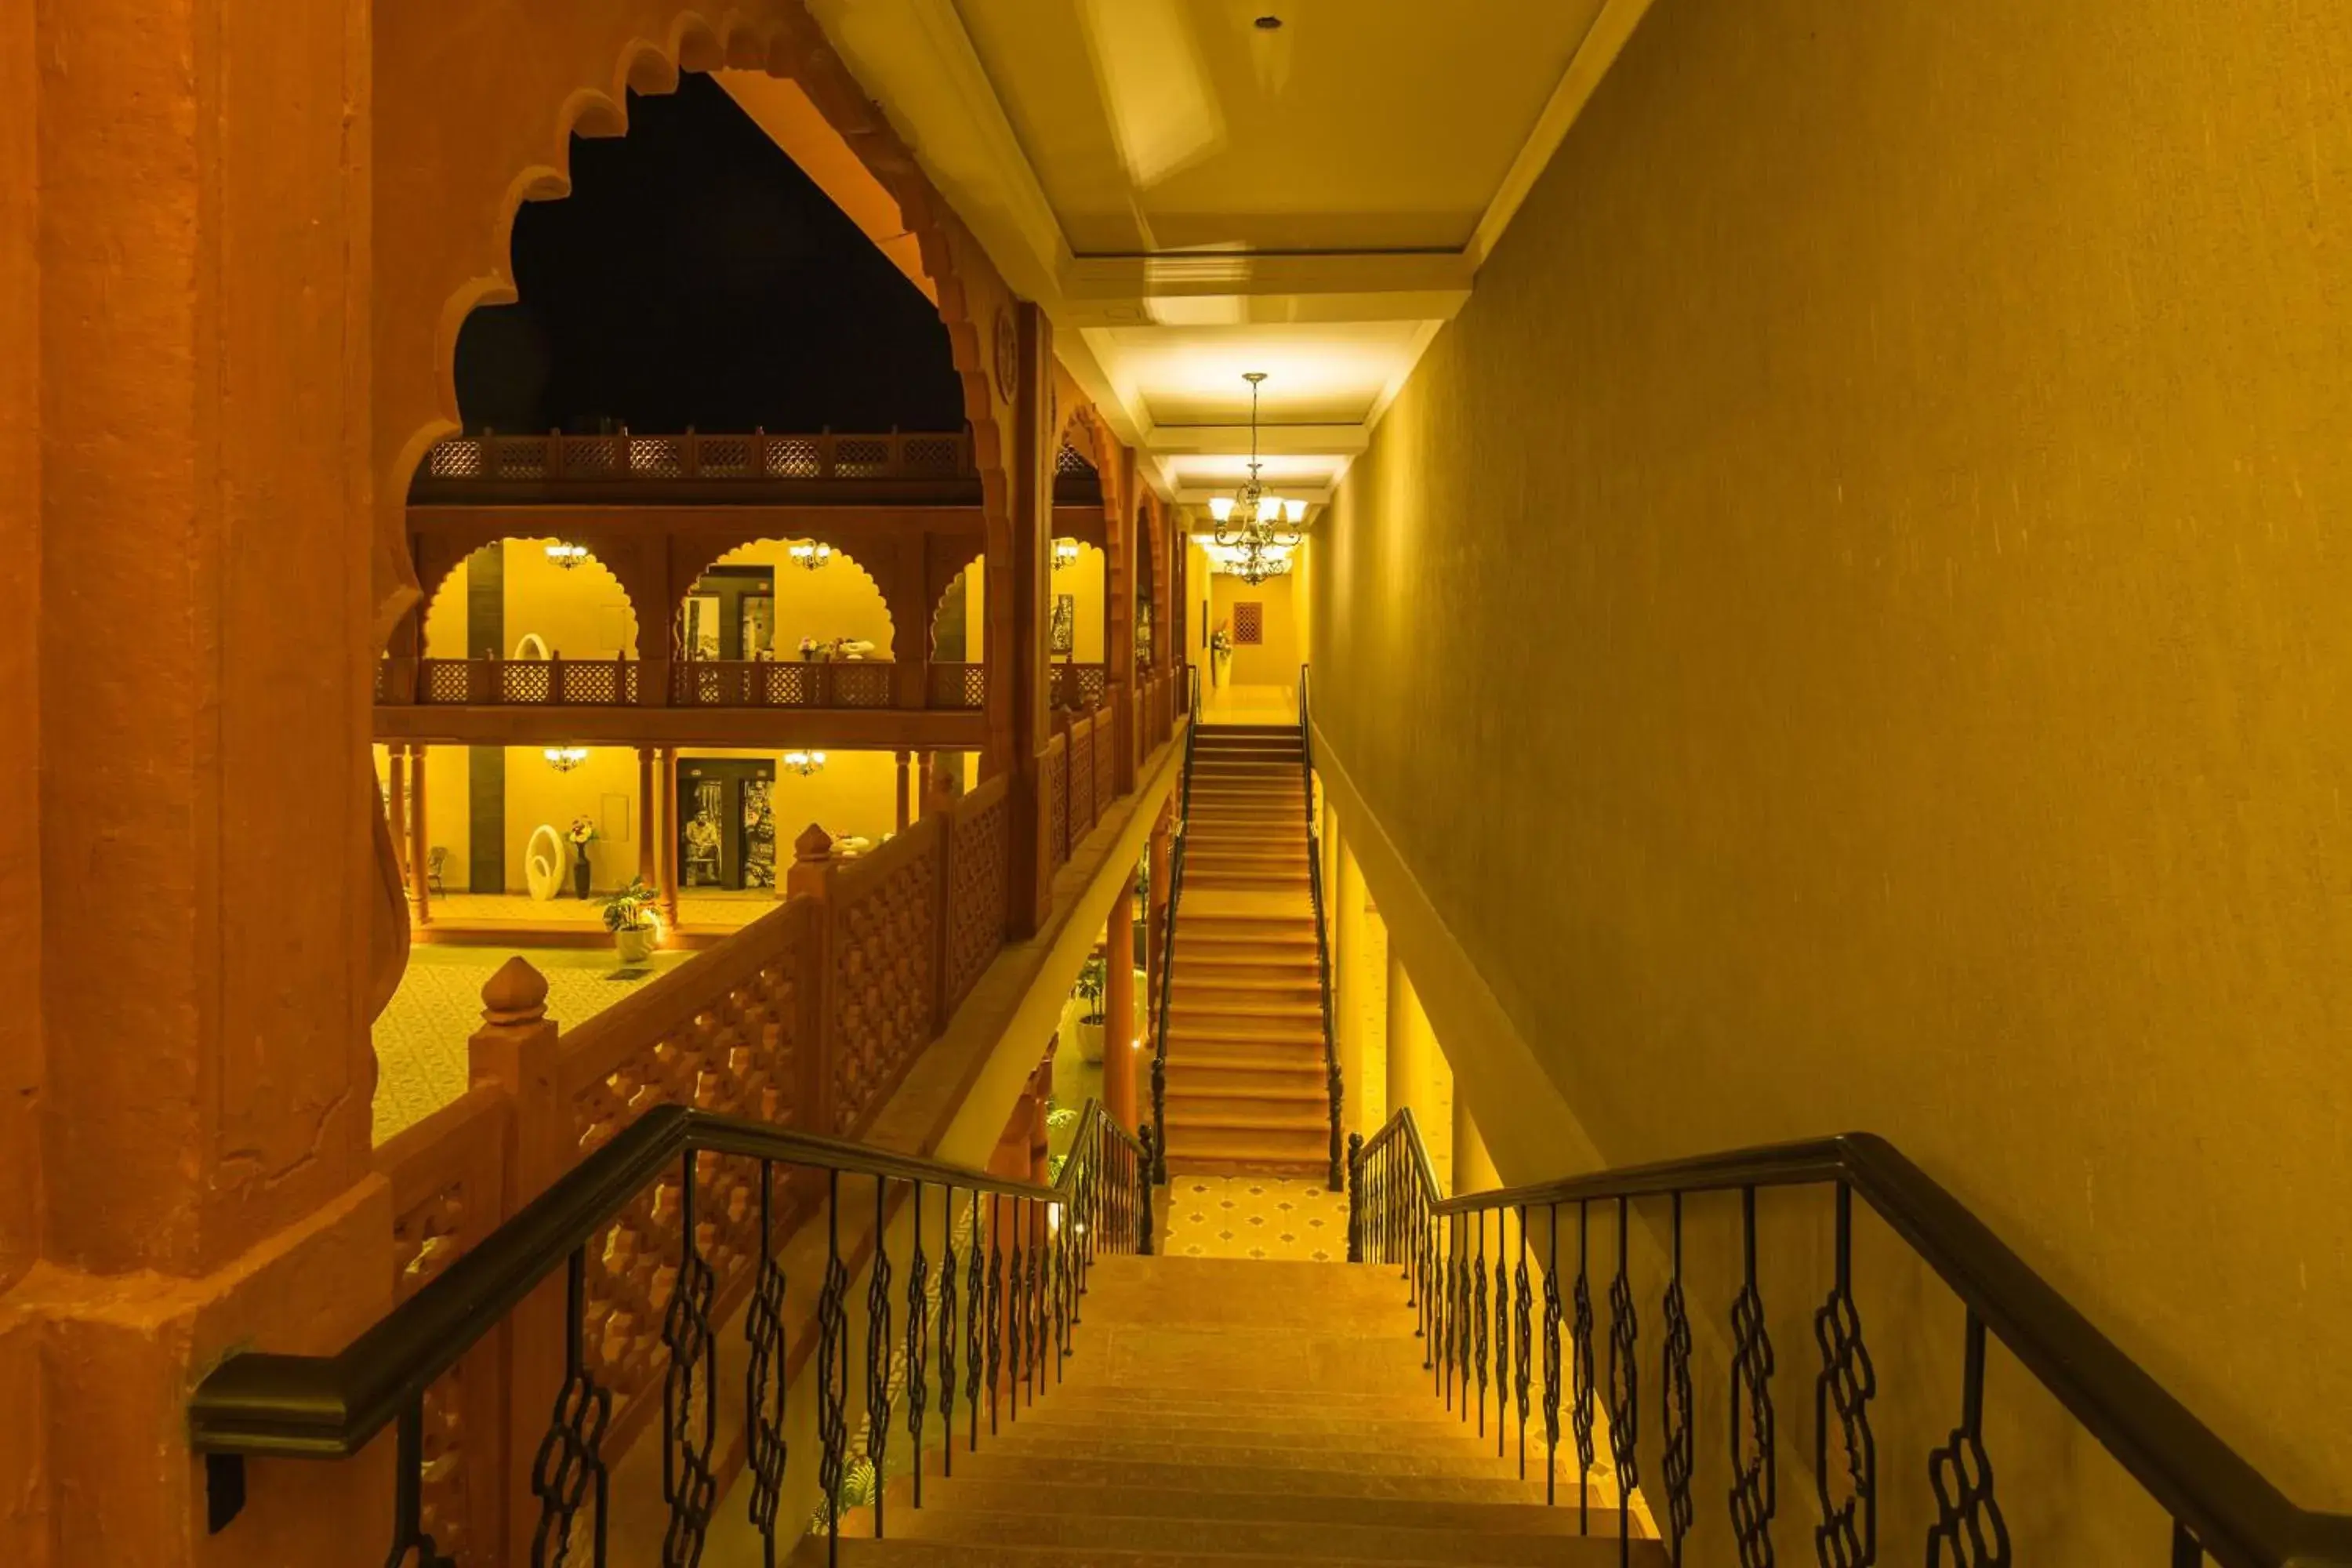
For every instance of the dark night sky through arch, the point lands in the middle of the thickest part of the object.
(696, 277)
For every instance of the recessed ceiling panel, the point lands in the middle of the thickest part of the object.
(1162, 125)
(1323, 374)
(1301, 471)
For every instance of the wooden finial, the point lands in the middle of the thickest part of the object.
(815, 844)
(517, 993)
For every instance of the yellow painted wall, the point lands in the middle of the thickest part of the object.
(1274, 661)
(1082, 581)
(447, 823)
(604, 789)
(580, 611)
(836, 600)
(1848, 628)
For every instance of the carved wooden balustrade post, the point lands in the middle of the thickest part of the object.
(515, 1048)
(812, 877)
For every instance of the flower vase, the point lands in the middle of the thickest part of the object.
(580, 872)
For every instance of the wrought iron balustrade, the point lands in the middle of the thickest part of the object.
(1012, 1261)
(1334, 1083)
(1158, 1139)
(2221, 1508)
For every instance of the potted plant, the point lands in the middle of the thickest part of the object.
(1092, 981)
(629, 916)
(581, 835)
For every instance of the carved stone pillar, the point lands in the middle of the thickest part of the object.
(665, 791)
(420, 836)
(648, 818)
(1018, 588)
(906, 795)
(194, 206)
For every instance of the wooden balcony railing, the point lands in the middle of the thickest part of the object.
(1080, 686)
(523, 682)
(475, 464)
(777, 683)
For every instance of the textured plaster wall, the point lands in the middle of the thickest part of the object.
(580, 612)
(1082, 580)
(836, 600)
(536, 794)
(1849, 629)
(1274, 661)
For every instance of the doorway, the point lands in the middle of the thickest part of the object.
(726, 823)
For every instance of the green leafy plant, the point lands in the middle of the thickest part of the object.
(631, 908)
(1093, 978)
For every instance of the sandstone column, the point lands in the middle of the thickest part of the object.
(420, 837)
(208, 848)
(648, 816)
(1018, 588)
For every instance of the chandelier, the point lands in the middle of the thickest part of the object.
(563, 759)
(810, 554)
(567, 556)
(1065, 553)
(804, 763)
(1252, 519)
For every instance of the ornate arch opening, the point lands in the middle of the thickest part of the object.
(782, 599)
(551, 595)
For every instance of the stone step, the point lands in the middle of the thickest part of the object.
(1244, 1037)
(1154, 1539)
(991, 1465)
(1302, 1055)
(1191, 1502)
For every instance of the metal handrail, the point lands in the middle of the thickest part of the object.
(1158, 1142)
(2224, 1507)
(329, 1406)
(1333, 1081)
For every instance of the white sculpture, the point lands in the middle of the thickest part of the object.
(530, 645)
(546, 871)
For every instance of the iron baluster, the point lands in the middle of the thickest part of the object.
(1525, 1302)
(832, 1371)
(1145, 1215)
(1754, 1487)
(1038, 1328)
(410, 1546)
(764, 1377)
(1968, 1531)
(1478, 1319)
(1553, 1317)
(948, 1327)
(996, 1303)
(1581, 1370)
(1016, 1326)
(1624, 1391)
(1848, 1534)
(1502, 1331)
(571, 1459)
(1682, 1423)
(688, 1485)
(974, 1300)
(877, 1352)
(1358, 1213)
(919, 1342)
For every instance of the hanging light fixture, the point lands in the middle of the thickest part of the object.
(563, 759)
(1065, 553)
(567, 556)
(804, 763)
(1254, 516)
(810, 554)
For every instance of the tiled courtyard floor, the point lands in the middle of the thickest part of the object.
(704, 911)
(1253, 1217)
(420, 1040)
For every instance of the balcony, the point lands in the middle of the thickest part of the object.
(901, 467)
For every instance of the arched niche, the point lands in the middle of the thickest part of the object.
(579, 611)
(839, 599)
(1082, 580)
(959, 615)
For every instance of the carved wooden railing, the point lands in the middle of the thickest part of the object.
(957, 686)
(622, 458)
(783, 683)
(521, 682)
(809, 1019)
(1080, 687)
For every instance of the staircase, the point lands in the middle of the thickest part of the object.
(1224, 1413)
(1247, 1085)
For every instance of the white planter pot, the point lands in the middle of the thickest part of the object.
(1090, 1041)
(636, 947)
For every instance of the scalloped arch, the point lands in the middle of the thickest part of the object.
(789, 47)
(840, 555)
(932, 627)
(429, 593)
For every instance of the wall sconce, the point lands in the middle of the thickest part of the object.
(563, 759)
(804, 763)
(1065, 553)
(567, 556)
(810, 554)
